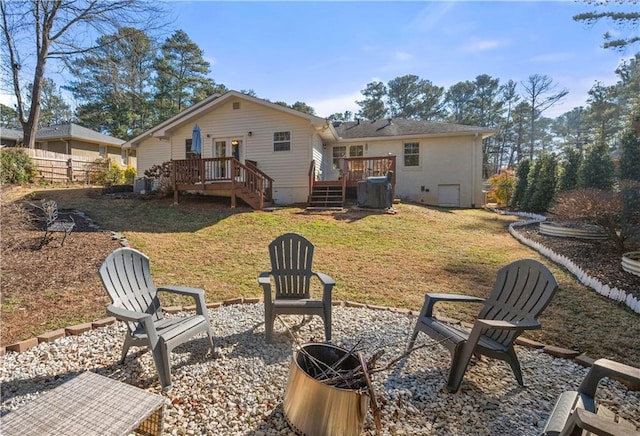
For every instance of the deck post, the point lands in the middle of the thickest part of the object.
(233, 183)
(174, 182)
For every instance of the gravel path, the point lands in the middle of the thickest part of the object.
(240, 392)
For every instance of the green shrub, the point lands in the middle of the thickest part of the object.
(597, 169)
(542, 184)
(569, 169)
(17, 166)
(630, 156)
(107, 172)
(522, 174)
(129, 175)
(114, 175)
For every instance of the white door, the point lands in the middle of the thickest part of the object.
(220, 151)
(236, 152)
(449, 195)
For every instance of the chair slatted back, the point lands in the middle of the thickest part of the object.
(126, 275)
(50, 209)
(291, 265)
(522, 290)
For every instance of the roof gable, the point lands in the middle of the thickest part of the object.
(163, 129)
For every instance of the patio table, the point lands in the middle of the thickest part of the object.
(89, 404)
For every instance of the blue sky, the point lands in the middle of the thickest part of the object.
(324, 53)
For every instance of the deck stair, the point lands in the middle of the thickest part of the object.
(326, 197)
(252, 198)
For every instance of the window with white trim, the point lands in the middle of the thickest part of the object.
(190, 154)
(282, 141)
(102, 150)
(356, 151)
(338, 153)
(411, 154)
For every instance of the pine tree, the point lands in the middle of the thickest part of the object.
(544, 185)
(569, 170)
(522, 174)
(597, 169)
(113, 84)
(372, 107)
(630, 156)
(181, 76)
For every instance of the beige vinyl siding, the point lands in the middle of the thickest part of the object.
(81, 148)
(288, 168)
(150, 152)
(114, 154)
(318, 155)
(84, 149)
(443, 161)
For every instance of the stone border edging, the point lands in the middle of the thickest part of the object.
(564, 353)
(612, 293)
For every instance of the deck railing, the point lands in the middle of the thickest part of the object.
(225, 169)
(312, 178)
(359, 168)
(268, 181)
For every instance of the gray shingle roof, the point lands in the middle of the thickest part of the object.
(402, 127)
(74, 131)
(11, 134)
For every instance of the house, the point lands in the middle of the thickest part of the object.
(10, 137)
(75, 140)
(252, 147)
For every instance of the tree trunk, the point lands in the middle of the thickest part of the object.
(30, 128)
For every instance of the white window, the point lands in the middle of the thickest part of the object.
(356, 151)
(102, 150)
(411, 154)
(190, 154)
(123, 156)
(281, 141)
(338, 153)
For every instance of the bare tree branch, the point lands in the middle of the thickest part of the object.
(62, 28)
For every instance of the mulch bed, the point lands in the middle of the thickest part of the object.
(598, 258)
(43, 284)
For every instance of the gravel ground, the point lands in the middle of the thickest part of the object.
(240, 392)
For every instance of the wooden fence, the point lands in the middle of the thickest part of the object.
(58, 167)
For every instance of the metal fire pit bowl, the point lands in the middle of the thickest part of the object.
(314, 408)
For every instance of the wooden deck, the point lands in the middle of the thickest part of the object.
(226, 177)
(332, 193)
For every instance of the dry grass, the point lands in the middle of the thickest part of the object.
(375, 258)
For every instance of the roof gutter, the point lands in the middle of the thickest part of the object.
(485, 134)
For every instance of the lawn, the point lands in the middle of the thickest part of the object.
(375, 258)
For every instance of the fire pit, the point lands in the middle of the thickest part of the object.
(322, 395)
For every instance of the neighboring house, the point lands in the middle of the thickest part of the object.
(435, 163)
(10, 137)
(76, 140)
